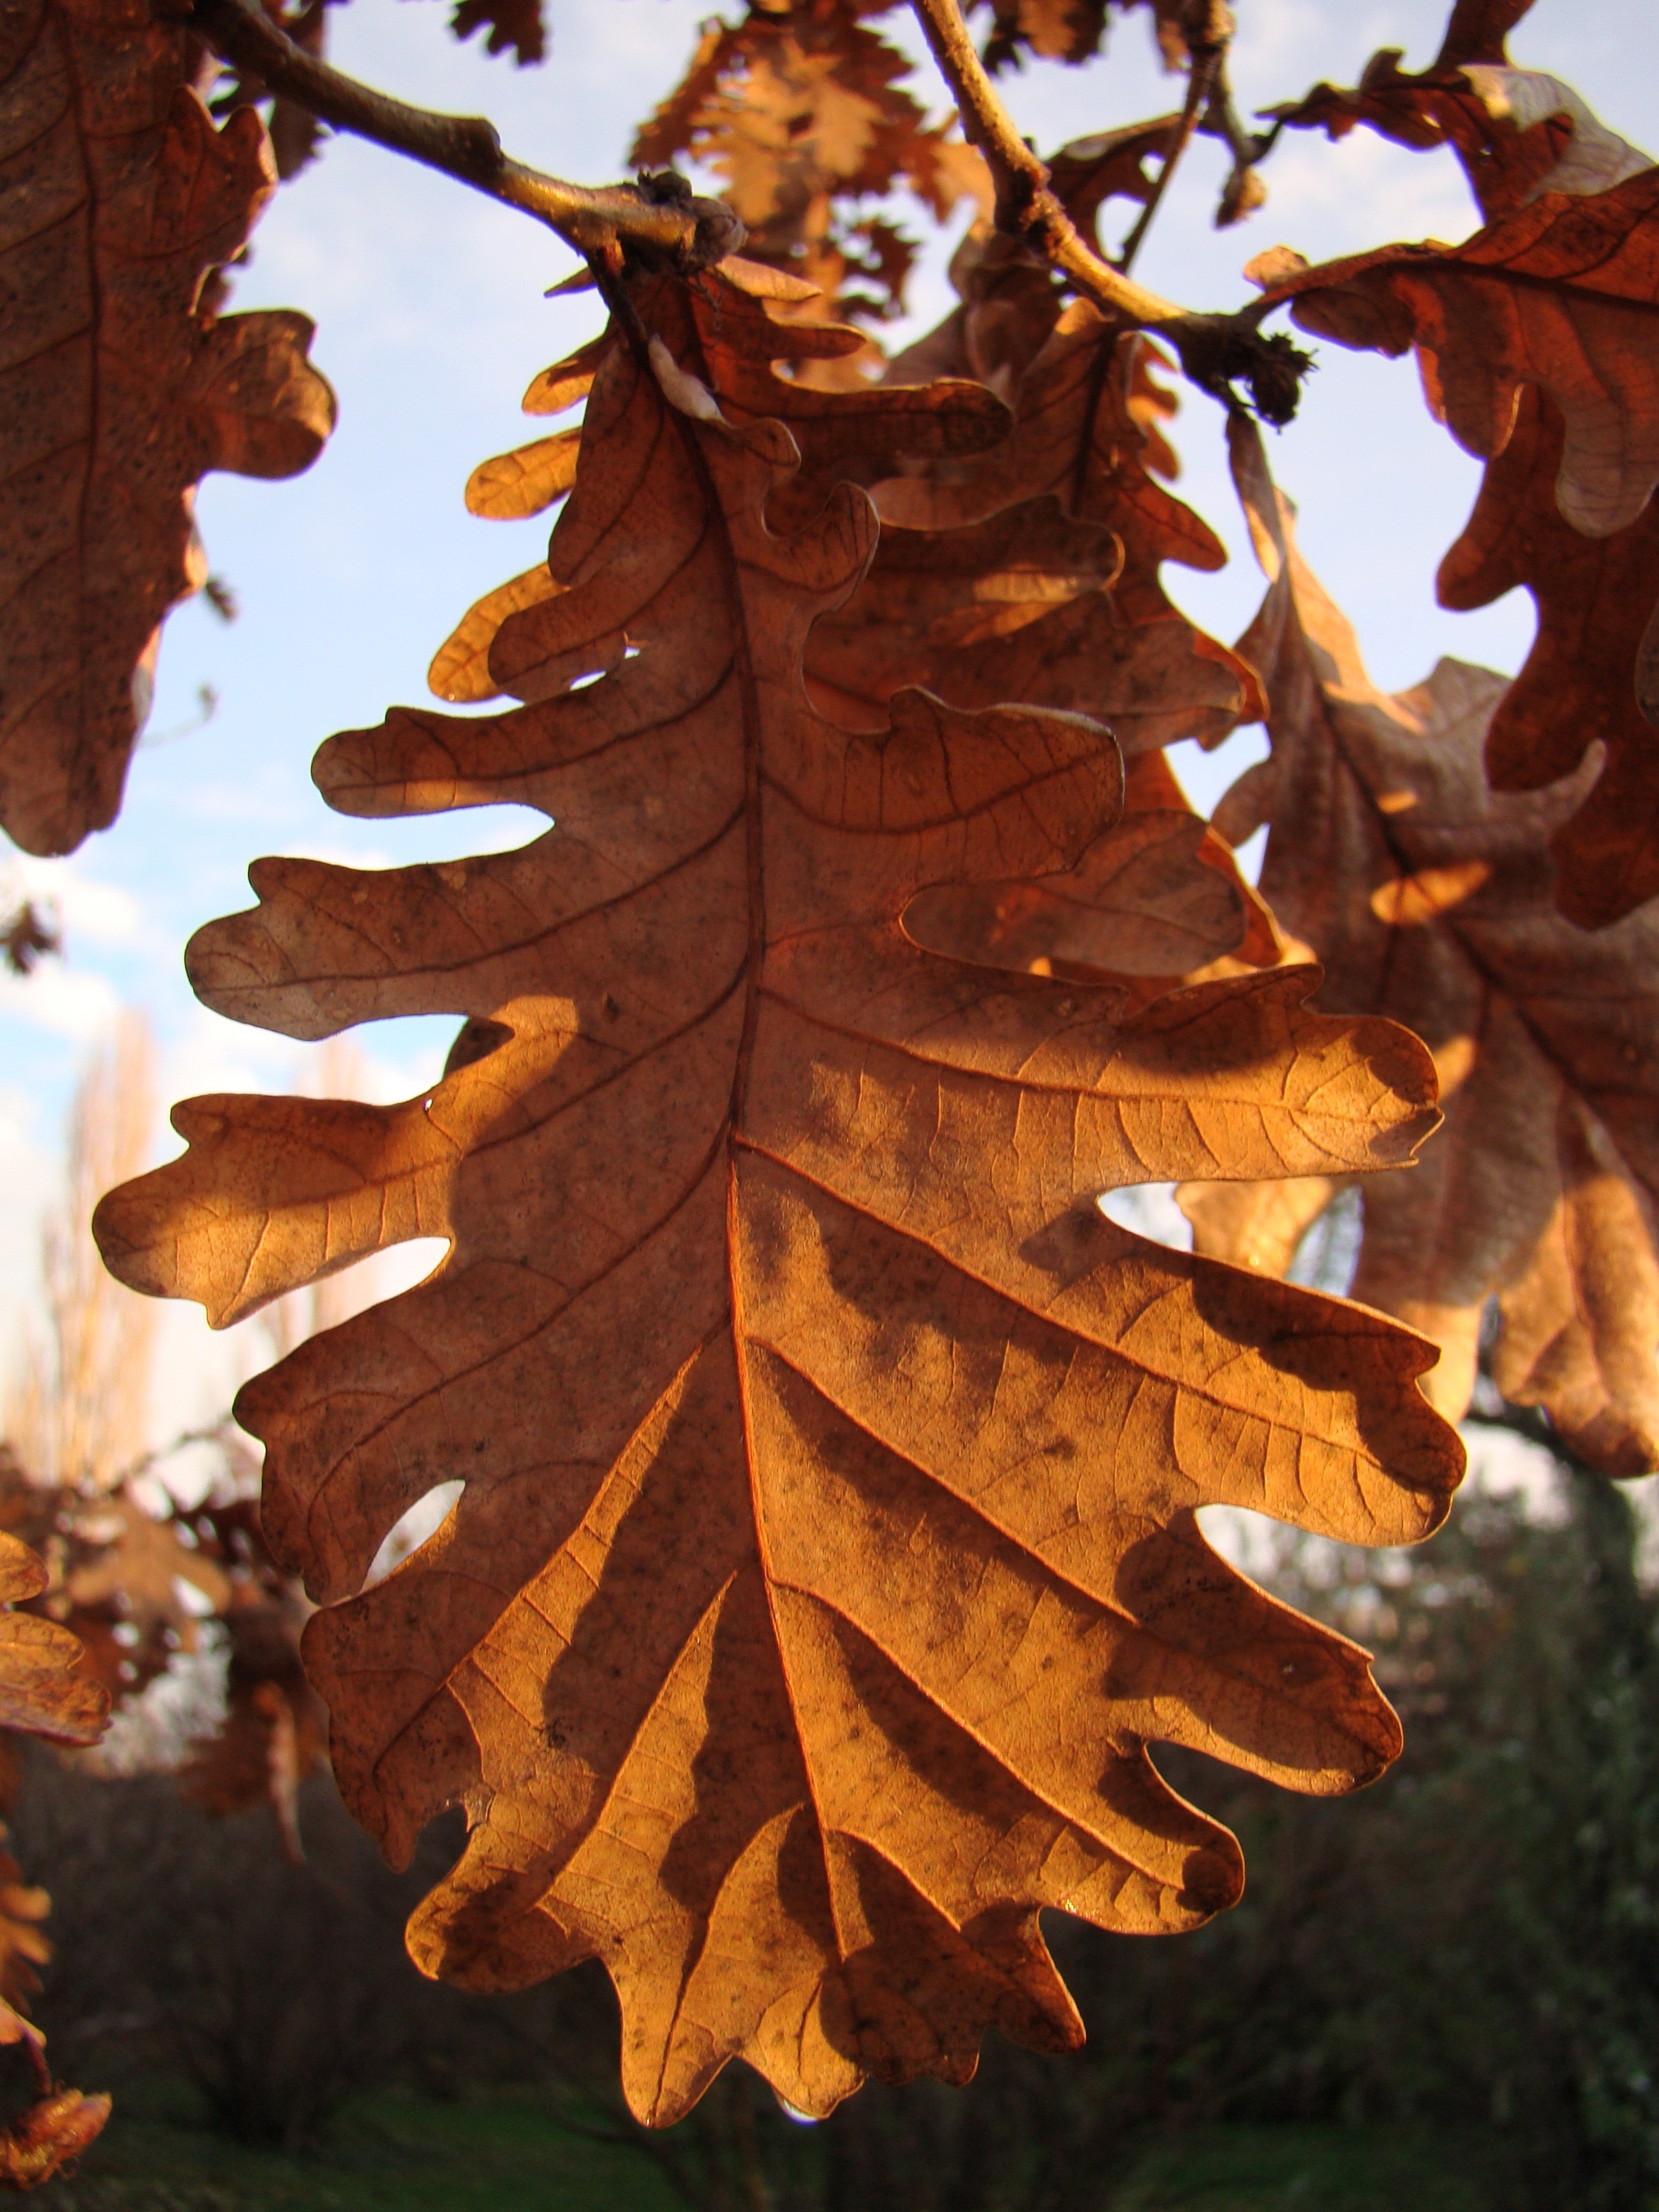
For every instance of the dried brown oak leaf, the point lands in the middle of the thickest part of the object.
(1008, 304)
(41, 1690)
(1123, 651)
(798, 110)
(1563, 295)
(1070, 31)
(1594, 597)
(744, 325)
(1427, 897)
(1517, 133)
(827, 1555)
(119, 387)
(48, 2136)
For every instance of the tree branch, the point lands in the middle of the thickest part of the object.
(1209, 33)
(1216, 351)
(662, 223)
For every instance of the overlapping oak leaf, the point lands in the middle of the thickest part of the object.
(1517, 133)
(1008, 303)
(827, 1557)
(799, 111)
(1081, 433)
(1595, 598)
(1427, 897)
(1563, 293)
(44, 1689)
(1563, 296)
(1070, 31)
(744, 326)
(119, 387)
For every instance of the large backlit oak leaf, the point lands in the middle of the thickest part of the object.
(1595, 598)
(1563, 293)
(120, 388)
(744, 325)
(1082, 433)
(1428, 897)
(827, 1556)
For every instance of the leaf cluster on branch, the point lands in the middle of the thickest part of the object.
(827, 1566)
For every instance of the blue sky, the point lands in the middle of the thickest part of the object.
(431, 319)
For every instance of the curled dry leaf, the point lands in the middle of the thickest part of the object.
(1579, 685)
(47, 2137)
(1071, 30)
(1082, 433)
(1427, 897)
(119, 386)
(827, 1555)
(43, 1689)
(1517, 133)
(1563, 296)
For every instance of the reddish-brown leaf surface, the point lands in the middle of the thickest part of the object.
(1562, 296)
(44, 1689)
(1082, 435)
(827, 1559)
(45, 2139)
(119, 385)
(1595, 598)
(1427, 897)
(1071, 30)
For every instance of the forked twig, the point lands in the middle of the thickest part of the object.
(668, 225)
(1216, 351)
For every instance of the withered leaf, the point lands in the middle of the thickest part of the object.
(42, 1689)
(47, 2137)
(1008, 302)
(120, 388)
(1070, 31)
(1595, 598)
(1426, 896)
(1563, 293)
(827, 1556)
(515, 27)
(1081, 433)
(1517, 133)
(744, 325)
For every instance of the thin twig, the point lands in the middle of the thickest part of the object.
(1216, 351)
(1206, 49)
(664, 223)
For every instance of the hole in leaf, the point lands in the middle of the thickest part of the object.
(407, 1535)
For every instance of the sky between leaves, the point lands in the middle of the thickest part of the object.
(431, 321)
